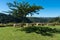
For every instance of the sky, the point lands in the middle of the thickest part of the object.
(51, 7)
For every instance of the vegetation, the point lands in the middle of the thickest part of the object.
(40, 30)
(11, 33)
(19, 10)
(17, 14)
(55, 20)
(22, 9)
(4, 18)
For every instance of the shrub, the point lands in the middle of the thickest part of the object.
(40, 30)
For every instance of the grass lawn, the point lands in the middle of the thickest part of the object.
(11, 33)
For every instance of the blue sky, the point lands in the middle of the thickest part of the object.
(51, 7)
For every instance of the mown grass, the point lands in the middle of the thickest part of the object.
(12, 33)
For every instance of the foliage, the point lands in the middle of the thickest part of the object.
(4, 18)
(22, 9)
(11, 33)
(46, 31)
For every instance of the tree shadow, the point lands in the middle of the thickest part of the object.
(45, 31)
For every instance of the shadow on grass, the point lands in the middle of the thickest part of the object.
(45, 31)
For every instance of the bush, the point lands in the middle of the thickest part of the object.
(30, 29)
(40, 30)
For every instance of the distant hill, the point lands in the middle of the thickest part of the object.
(40, 19)
(4, 18)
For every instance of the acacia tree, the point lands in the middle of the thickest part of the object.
(22, 9)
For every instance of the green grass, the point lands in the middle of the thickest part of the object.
(11, 33)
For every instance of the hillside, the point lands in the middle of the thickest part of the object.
(4, 18)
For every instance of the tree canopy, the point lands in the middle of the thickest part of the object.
(22, 9)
